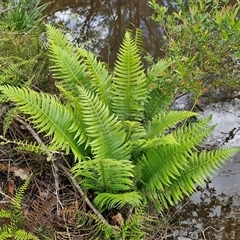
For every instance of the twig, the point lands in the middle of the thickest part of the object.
(50, 157)
(5, 195)
(55, 169)
(35, 135)
(88, 202)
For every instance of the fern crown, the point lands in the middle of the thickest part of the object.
(128, 147)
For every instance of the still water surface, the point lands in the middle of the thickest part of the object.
(213, 212)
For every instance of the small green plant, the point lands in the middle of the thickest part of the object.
(22, 15)
(203, 38)
(12, 220)
(129, 149)
(23, 58)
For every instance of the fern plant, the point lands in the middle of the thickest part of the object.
(129, 149)
(14, 218)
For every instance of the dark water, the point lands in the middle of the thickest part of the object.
(101, 24)
(213, 212)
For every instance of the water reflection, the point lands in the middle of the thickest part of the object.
(213, 212)
(100, 24)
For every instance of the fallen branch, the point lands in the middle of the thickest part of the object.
(88, 202)
(65, 170)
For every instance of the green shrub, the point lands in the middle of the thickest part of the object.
(203, 39)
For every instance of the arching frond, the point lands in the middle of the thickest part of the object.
(156, 73)
(100, 78)
(57, 38)
(48, 115)
(199, 167)
(164, 163)
(105, 130)
(129, 81)
(138, 38)
(164, 121)
(67, 66)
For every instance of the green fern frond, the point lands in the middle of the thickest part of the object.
(164, 121)
(105, 201)
(13, 69)
(156, 73)
(78, 126)
(100, 78)
(23, 235)
(157, 102)
(137, 226)
(155, 142)
(106, 132)
(200, 166)
(15, 218)
(8, 119)
(99, 230)
(105, 175)
(163, 164)
(194, 134)
(135, 131)
(26, 146)
(17, 200)
(68, 69)
(48, 115)
(138, 38)
(67, 66)
(4, 234)
(5, 214)
(129, 81)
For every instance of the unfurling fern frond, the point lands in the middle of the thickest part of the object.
(129, 82)
(105, 131)
(48, 115)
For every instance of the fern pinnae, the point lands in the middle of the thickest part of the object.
(129, 82)
(105, 130)
(164, 121)
(196, 172)
(57, 38)
(67, 69)
(100, 78)
(48, 115)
